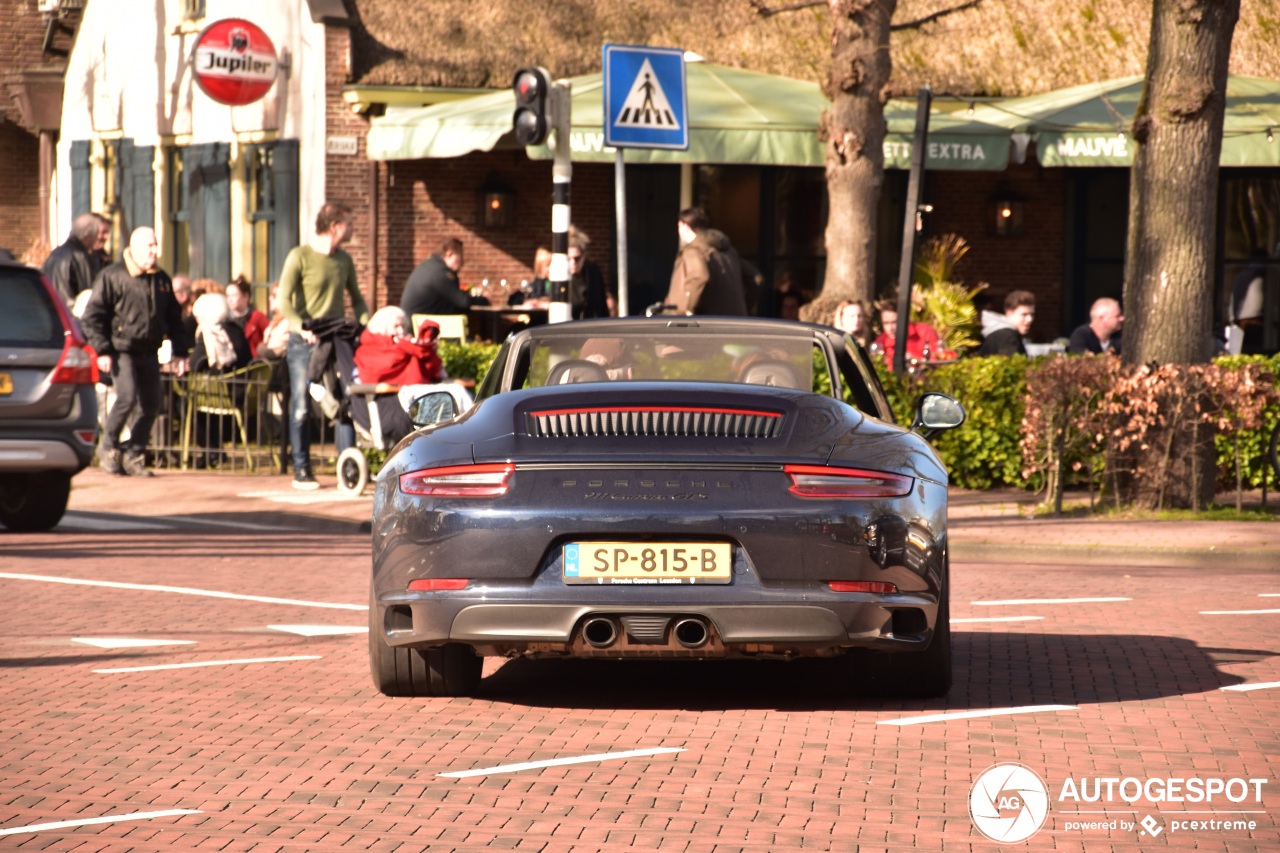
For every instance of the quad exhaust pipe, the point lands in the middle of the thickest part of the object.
(600, 633)
(691, 633)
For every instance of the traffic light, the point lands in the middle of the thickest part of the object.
(532, 119)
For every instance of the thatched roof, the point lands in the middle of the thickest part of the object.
(1001, 47)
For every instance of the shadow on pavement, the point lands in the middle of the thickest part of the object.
(991, 671)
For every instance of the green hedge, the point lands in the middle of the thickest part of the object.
(986, 451)
(1253, 443)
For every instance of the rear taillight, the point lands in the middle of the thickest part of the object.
(877, 587)
(459, 481)
(820, 481)
(77, 366)
(435, 584)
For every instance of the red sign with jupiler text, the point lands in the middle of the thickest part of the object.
(235, 62)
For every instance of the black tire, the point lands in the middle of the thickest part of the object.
(33, 502)
(926, 674)
(353, 471)
(449, 670)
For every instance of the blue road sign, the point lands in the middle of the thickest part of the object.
(646, 102)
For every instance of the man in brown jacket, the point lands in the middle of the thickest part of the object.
(707, 278)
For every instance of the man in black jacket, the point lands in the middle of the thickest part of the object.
(433, 288)
(69, 267)
(132, 310)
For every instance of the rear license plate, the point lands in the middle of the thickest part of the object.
(6, 383)
(648, 562)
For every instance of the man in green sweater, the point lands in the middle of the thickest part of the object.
(315, 278)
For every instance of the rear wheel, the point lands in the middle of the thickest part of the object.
(926, 674)
(449, 670)
(353, 471)
(37, 501)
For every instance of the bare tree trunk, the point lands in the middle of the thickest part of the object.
(1173, 195)
(1173, 202)
(853, 130)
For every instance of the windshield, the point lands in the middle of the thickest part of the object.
(785, 362)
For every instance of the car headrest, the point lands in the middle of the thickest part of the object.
(773, 373)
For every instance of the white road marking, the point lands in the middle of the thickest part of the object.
(76, 521)
(322, 496)
(120, 523)
(1245, 688)
(1234, 612)
(996, 619)
(321, 630)
(559, 762)
(1046, 601)
(208, 663)
(114, 818)
(182, 590)
(967, 715)
(1269, 595)
(240, 525)
(127, 643)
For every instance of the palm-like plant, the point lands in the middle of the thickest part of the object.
(945, 304)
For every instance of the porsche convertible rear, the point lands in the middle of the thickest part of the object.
(688, 488)
(719, 523)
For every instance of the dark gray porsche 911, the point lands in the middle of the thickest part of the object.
(684, 487)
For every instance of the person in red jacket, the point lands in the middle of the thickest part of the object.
(250, 320)
(388, 354)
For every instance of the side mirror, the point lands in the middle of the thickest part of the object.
(936, 412)
(433, 408)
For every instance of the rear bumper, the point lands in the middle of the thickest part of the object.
(25, 455)
(810, 629)
(33, 445)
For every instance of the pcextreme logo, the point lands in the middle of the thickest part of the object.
(1009, 803)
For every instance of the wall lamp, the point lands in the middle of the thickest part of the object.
(497, 203)
(1009, 209)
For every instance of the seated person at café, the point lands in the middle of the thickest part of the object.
(220, 348)
(433, 286)
(220, 342)
(922, 341)
(254, 323)
(388, 354)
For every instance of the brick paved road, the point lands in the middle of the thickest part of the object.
(299, 753)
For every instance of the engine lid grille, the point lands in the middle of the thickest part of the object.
(654, 422)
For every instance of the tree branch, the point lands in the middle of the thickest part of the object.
(928, 19)
(769, 11)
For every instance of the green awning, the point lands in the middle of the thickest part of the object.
(736, 116)
(1089, 125)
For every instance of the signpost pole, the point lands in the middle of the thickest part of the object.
(561, 309)
(910, 224)
(620, 214)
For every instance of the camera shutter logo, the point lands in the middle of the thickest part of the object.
(1008, 803)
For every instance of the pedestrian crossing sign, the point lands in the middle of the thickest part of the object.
(645, 98)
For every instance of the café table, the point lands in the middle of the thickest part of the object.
(495, 322)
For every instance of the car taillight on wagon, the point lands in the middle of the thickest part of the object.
(76, 366)
(822, 481)
(459, 481)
